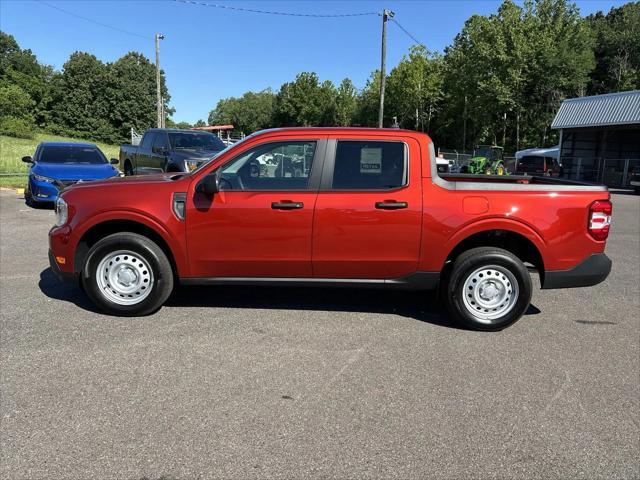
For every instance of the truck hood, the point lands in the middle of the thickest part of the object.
(141, 180)
(74, 171)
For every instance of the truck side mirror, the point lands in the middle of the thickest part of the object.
(114, 161)
(27, 159)
(209, 185)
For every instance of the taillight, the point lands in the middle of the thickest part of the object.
(600, 219)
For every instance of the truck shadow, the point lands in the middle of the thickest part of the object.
(421, 306)
(53, 288)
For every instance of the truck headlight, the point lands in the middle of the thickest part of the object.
(40, 178)
(62, 212)
(191, 165)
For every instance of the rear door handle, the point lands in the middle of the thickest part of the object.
(286, 205)
(391, 205)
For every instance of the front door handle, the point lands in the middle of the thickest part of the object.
(286, 205)
(391, 205)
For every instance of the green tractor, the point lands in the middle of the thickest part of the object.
(488, 160)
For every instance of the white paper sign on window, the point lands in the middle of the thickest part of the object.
(371, 161)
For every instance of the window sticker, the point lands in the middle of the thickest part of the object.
(371, 161)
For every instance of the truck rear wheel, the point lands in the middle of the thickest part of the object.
(127, 274)
(489, 289)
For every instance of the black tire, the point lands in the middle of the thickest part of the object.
(128, 169)
(145, 249)
(462, 272)
(28, 198)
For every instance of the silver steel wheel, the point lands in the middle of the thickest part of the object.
(124, 277)
(490, 293)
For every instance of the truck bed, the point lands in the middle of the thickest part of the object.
(466, 181)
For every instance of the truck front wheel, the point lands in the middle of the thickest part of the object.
(128, 169)
(127, 274)
(489, 289)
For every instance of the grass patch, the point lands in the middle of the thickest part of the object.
(13, 181)
(13, 149)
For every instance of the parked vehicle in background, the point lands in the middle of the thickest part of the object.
(443, 165)
(169, 150)
(539, 161)
(55, 165)
(369, 209)
(488, 160)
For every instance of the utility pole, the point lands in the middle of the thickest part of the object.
(464, 126)
(386, 14)
(158, 89)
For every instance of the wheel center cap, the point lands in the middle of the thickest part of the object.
(489, 292)
(126, 276)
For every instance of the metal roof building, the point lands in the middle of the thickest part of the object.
(600, 137)
(621, 108)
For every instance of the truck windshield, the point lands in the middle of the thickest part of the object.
(226, 149)
(66, 154)
(195, 141)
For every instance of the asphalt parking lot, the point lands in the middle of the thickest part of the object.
(291, 383)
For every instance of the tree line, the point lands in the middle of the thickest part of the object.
(500, 82)
(87, 98)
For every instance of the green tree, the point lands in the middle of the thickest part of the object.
(306, 102)
(414, 88)
(346, 103)
(15, 102)
(506, 73)
(249, 113)
(617, 49)
(131, 94)
(20, 68)
(369, 102)
(80, 106)
(16, 112)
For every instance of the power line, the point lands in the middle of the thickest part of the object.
(407, 32)
(269, 12)
(117, 29)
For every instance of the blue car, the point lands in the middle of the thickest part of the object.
(58, 164)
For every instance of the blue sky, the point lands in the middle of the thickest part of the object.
(212, 53)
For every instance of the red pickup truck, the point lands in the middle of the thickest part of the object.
(338, 207)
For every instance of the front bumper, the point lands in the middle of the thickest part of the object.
(43, 191)
(591, 271)
(62, 275)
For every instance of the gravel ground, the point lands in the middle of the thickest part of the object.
(240, 382)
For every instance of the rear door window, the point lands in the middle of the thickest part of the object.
(364, 165)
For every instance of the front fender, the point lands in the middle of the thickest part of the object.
(177, 250)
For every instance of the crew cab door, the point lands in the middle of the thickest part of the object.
(157, 162)
(368, 217)
(259, 224)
